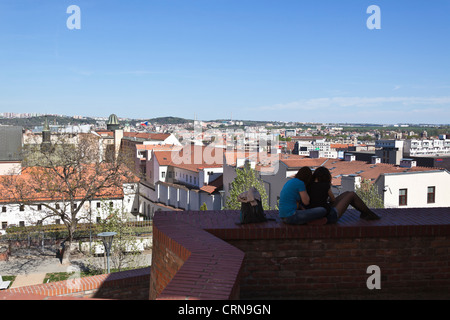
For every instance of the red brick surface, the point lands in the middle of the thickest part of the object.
(123, 285)
(411, 247)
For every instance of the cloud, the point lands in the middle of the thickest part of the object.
(133, 72)
(360, 102)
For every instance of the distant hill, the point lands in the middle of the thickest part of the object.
(32, 122)
(169, 120)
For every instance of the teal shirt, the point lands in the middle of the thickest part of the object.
(289, 196)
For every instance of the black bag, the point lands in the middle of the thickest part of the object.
(252, 214)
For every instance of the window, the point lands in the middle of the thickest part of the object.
(403, 197)
(4, 225)
(163, 174)
(39, 207)
(22, 207)
(98, 204)
(431, 195)
(21, 223)
(4, 209)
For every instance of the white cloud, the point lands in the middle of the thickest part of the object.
(361, 102)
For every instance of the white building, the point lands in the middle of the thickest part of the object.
(318, 148)
(437, 147)
(182, 179)
(422, 189)
(15, 214)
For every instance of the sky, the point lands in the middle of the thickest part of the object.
(268, 60)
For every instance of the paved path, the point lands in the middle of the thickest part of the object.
(28, 280)
(32, 270)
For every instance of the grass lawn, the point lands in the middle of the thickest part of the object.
(61, 276)
(9, 278)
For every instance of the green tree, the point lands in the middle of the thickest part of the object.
(246, 178)
(368, 192)
(63, 179)
(125, 251)
(203, 207)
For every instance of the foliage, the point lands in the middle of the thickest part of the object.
(63, 179)
(203, 207)
(125, 247)
(368, 192)
(246, 177)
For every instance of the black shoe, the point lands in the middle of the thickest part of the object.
(369, 216)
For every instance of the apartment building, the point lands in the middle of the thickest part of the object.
(182, 179)
(319, 148)
(390, 151)
(435, 147)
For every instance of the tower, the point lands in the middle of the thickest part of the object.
(46, 144)
(113, 123)
(114, 126)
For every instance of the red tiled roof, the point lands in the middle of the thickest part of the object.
(214, 185)
(147, 135)
(157, 147)
(341, 145)
(193, 158)
(53, 188)
(339, 167)
(141, 135)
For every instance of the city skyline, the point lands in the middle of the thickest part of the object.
(299, 61)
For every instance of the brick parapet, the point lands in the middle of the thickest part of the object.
(120, 285)
(282, 261)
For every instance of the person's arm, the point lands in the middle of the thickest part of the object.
(331, 195)
(305, 197)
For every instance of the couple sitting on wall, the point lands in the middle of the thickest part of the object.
(308, 197)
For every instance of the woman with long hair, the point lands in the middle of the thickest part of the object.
(319, 191)
(294, 200)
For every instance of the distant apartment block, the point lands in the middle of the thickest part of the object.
(317, 148)
(436, 147)
(390, 151)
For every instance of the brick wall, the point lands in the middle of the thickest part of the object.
(411, 267)
(410, 246)
(190, 263)
(125, 285)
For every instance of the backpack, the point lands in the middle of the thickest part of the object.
(251, 207)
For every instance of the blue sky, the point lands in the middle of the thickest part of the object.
(286, 60)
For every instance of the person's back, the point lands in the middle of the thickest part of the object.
(289, 196)
(318, 194)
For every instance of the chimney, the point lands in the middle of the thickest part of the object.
(350, 182)
(408, 163)
(375, 160)
(349, 157)
(313, 154)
